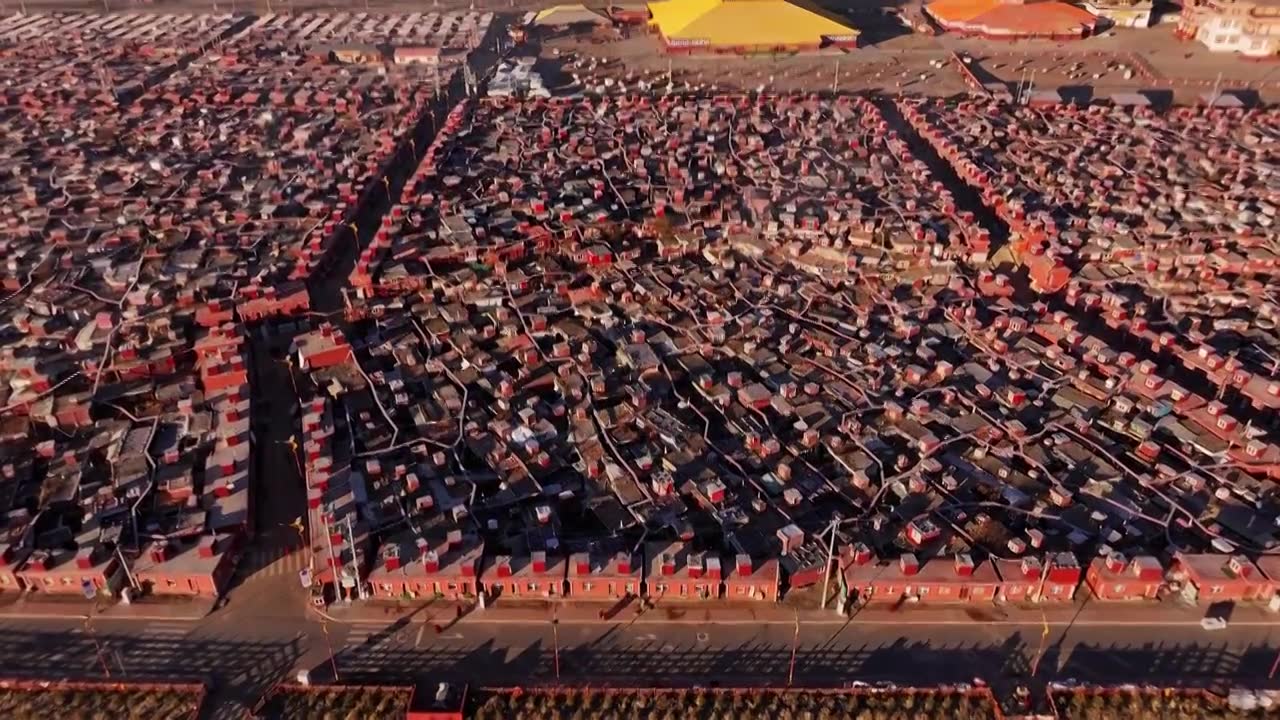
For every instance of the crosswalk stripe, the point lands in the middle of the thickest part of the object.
(272, 562)
(288, 565)
(358, 633)
(171, 630)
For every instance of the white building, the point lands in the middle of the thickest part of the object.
(1248, 27)
(1123, 14)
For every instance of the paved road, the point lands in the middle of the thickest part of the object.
(760, 653)
(245, 656)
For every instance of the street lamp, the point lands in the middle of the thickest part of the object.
(333, 663)
(91, 594)
(355, 567)
(299, 527)
(826, 568)
(1044, 637)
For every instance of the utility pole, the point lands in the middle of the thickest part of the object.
(1213, 99)
(328, 536)
(826, 573)
(1044, 636)
(125, 567)
(333, 663)
(795, 644)
(555, 640)
(88, 630)
(355, 567)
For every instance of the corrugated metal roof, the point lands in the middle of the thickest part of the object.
(745, 22)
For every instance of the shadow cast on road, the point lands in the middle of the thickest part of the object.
(666, 664)
(237, 672)
(1168, 664)
(241, 671)
(902, 661)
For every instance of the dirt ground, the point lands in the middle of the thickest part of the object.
(892, 60)
(1156, 57)
(922, 65)
(898, 61)
(638, 59)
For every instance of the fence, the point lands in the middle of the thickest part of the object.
(197, 691)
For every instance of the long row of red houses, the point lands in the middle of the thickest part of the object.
(460, 569)
(1057, 577)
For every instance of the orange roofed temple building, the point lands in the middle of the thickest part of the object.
(1013, 19)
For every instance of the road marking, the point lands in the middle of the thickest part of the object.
(285, 565)
(417, 642)
(359, 633)
(880, 621)
(271, 562)
(167, 630)
(649, 637)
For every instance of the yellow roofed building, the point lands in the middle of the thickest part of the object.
(747, 26)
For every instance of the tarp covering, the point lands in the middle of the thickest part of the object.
(559, 15)
(1002, 18)
(745, 23)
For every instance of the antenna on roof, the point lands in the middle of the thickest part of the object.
(1217, 84)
